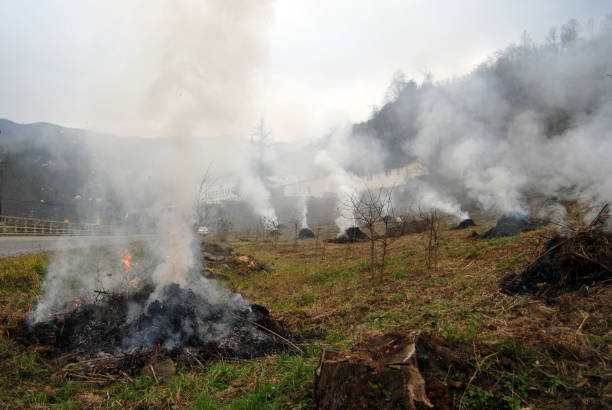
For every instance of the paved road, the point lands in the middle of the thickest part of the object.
(18, 245)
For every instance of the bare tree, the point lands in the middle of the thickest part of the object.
(432, 222)
(317, 232)
(271, 228)
(388, 219)
(224, 225)
(369, 208)
(295, 220)
(201, 200)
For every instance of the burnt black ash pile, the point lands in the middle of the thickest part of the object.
(306, 233)
(583, 258)
(116, 324)
(126, 329)
(352, 234)
(466, 223)
(510, 225)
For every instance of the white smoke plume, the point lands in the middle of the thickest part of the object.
(211, 53)
(535, 118)
(303, 205)
(343, 152)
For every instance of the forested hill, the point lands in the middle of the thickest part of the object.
(559, 83)
(45, 172)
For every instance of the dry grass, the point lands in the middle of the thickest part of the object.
(553, 353)
(460, 300)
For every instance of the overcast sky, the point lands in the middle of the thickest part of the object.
(212, 68)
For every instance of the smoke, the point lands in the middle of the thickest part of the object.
(211, 53)
(304, 212)
(345, 151)
(429, 198)
(532, 119)
(189, 68)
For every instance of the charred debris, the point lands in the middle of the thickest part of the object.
(466, 223)
(306, 233)
(181, 319)
(583, 257)
(350, 235)
(510, 225)
(121, 332)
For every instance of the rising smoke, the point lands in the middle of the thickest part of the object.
(534, 119)
(207, 69)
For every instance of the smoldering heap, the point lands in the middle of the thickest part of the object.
(466, 223)
(510, 225)
(584, 257)
(114, 324)
(352, 234)
(133, 315)
(306, 233)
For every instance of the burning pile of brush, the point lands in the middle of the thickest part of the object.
(350, 235)
(191, 321)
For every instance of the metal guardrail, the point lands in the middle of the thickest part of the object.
(10, 225)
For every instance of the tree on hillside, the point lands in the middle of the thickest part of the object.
(295, 220)
(398, 83)
(431, 218)
(370, 207)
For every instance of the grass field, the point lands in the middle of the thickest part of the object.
(523, 351)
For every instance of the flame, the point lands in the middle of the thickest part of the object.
(78, 302)
(128, 263)
(127, 260)
(158, 346)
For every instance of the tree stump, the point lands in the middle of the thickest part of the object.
(381, 373)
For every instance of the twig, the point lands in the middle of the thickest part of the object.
(592, 261)
(478, 367)
(600, 218)
(579, 330)
(194, 358)
(270, 331)
(126, 375)
(154, 376)
(549, 250)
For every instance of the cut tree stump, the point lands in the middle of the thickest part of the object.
(381, 373)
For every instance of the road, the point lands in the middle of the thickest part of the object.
(18, 245)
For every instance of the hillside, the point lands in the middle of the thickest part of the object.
(551, 87)
(45, 168)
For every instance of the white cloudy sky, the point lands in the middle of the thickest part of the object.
(212, 68)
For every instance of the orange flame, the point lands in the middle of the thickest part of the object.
(78, 303)
(127, 260)
(132, 282)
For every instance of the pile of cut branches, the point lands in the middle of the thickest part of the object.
(567, 263)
